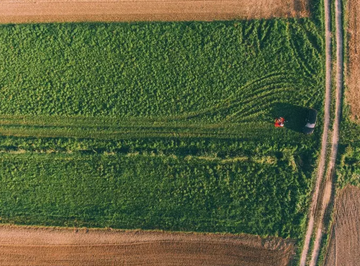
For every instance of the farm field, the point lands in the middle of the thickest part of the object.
(24, 11)
(49, 246)
(160, 125)
(353, 66)
(345, 234)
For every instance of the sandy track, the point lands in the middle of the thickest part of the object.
(345, 236)
(321, 204)
(46, 246)
(25, 11)
(321, 167)
(336, 130)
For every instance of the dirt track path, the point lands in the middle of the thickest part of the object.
(326, 193)
(60, 246)
(26, 11)
(336, 128)
(321, 166)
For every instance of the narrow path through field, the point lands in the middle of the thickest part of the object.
(335, 133)
(321, 166)
(335, 136)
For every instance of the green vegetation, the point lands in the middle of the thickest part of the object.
(159, 125)
(199, 185)
(209, 71)
(349, 161)
(348, 166)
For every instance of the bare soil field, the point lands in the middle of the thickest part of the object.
(345, 238)
(353, 71)
(60, 246)
(27, 11)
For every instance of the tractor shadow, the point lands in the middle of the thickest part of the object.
(294, 115)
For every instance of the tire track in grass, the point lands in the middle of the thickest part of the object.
(252, 107)
(250, 87)
(266, 86)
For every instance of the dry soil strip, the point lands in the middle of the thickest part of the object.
(353, 65)
(321, 166)
(60, 246)
(26, 11)
(344, 243)
(336, 127)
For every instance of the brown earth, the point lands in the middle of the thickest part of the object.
(345, 237)
(353, 71)
(26, 11)
(60, 246)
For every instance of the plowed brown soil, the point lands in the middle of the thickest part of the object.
(47, 246)
(345, 238)
(353, 71)
(25, 11)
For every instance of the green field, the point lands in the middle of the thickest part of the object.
(160, 125)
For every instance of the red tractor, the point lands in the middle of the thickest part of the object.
(279, 122)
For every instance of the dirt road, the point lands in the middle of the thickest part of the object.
(322, 159)
(327, 188)
(25, 11)
(46, 246)
(335, 132)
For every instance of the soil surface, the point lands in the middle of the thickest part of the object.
(345, 236)
(26, 11)
(353, 71)
(60, 246)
